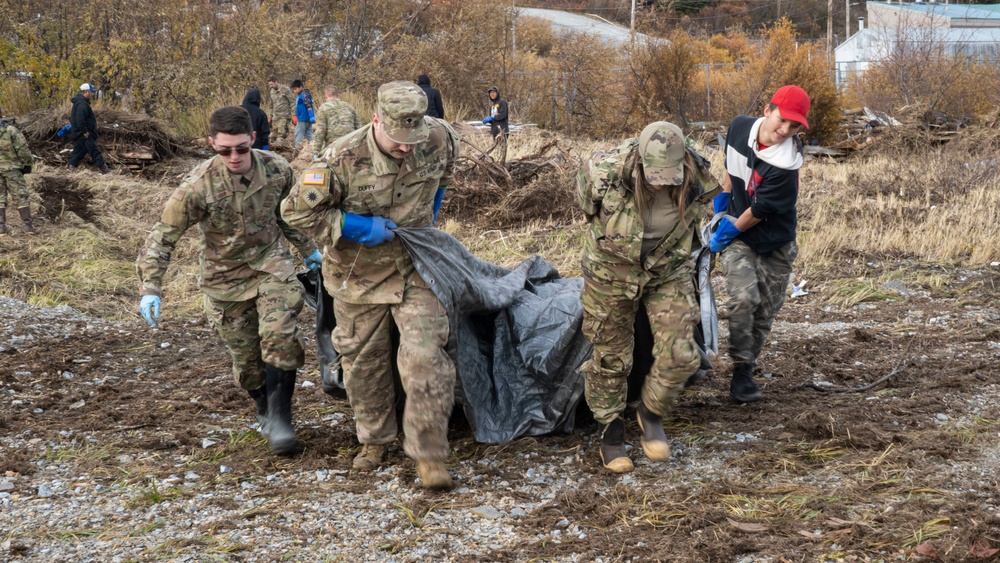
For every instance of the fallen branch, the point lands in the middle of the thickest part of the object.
(876, 383)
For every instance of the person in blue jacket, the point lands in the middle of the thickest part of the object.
(305, 114)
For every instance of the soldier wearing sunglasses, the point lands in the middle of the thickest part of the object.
(252, 297)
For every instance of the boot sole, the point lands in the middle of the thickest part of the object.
(656, 450)
(746, 398)
(618, 465)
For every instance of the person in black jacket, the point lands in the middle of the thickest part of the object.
(498, 113)
(83, 126)
(261, 128)
(434, 106)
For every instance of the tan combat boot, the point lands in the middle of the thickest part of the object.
(434, 475)
(612, 450)
(26, 219)
(371, 457)
(3, 221)
(654, 441)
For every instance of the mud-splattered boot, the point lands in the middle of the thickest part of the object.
(612, 451)
(280, 386)
(259, 397)
(654, 440)
(434, 475)
(743, 389)
(26, 219)
(3, 221)
(370, 458)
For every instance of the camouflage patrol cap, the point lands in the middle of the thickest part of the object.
(401, 108)
(661, 147)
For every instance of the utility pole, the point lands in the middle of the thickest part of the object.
(631, 27)
(779, 11)
(513, 31)
(847, 19)
(829, 30)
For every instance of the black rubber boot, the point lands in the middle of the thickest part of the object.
(259, 397)
(25, 213)
(743, 389)
(3, 221)
(613, 454)
(654, 440)
(280, 386)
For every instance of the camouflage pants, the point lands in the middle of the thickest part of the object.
(756, 285)
(608, 321)
(281, 127)
(426, 371)
(12, 185)
(260, 331)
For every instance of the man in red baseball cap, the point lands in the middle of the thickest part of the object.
(757, 227)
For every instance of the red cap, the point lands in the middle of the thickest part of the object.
(793, 103)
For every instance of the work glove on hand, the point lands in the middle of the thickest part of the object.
(488, 119)
(369, 231)
(149, 306)
(269, 120)
(723, 235)
(438, 200)
(312, 116)
(721, 201)
(264, 148)
(26, 169)
(314, 260)
(295, 120)
(64, 129)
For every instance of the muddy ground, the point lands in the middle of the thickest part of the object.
(904, 471)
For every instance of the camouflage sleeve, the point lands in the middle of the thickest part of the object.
(321, 128)
(454, 151)
(590, 201)
(183, 209)
(312, 206)
(356, 121)
(21, 148)
(303, 242)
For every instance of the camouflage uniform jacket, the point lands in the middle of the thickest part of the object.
(240, 229)
(282, 102)
(613, 247)
(354, 176)
(336, 118)
(14, 153)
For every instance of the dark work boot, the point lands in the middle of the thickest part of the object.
(613, 454)
(259, 397)
(654, 440)
(26, 219)
(104, 169)
(743, 389)
(3, 221)
(280, 386)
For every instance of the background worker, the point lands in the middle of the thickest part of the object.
(282, 104)
(757, 237)
(391, 172)
(252, 297)
(643, 201)
(305, 115)
(83, 127)
(334, 119)
(435, 108)
(498, 113)
(261, 127)
(15, 162)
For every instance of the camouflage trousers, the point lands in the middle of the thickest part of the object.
(427, 373)
(608, 321)
(280, 128)
(260, 331)
(13, 186)
(756, 286)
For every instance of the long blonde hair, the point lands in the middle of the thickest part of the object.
(680, 195)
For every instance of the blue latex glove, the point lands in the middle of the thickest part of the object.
(721, 201)
(369, 231)
(723, 235)
(314, 260)
(488, 119)
(312, 116)
(149, 306)
(264, 148)
(438, 200)
(64, 129)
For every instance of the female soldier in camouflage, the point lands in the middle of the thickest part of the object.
(643, 201)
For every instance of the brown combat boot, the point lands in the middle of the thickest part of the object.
(26, 219)
(3, 221)
(654, 440)
(104, 169)
(434, 475)
(371, 457)
(612, 450)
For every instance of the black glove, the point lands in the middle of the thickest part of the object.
(26, 169)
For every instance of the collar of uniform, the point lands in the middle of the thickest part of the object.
(256, 172)
(381, 164)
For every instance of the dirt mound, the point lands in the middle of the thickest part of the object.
(129, 140)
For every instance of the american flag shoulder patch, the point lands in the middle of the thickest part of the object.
(312, 178)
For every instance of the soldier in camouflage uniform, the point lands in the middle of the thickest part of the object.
(15, 162)
(391, 172)
(252, 297)
(282, 103)
(643, 201)
(334, 119)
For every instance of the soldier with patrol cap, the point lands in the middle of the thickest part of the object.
(388, 174)
(252, 297)
(15, 162)
(643, 201)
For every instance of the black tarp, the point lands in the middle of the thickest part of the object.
(516, 336)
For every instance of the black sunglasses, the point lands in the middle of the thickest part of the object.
(226, 151)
